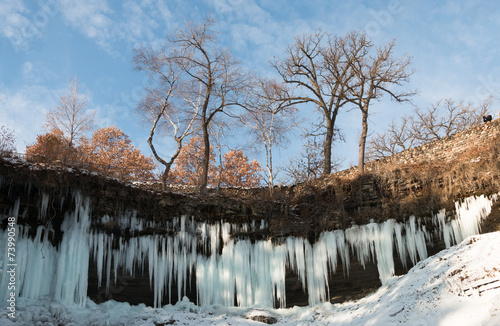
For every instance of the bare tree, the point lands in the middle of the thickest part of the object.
(215, 77)
(71, 116)
(375, 76)
(307, 166)
(269, 121)
(320, 66)
(167, 105)
(7, 141)
(397, 138)
(445, 118)
(437, 121)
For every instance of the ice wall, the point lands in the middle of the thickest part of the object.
(42, 269)
(226, 269)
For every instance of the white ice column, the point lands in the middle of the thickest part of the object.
(73, 263)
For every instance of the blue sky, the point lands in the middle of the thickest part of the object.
(455, 47)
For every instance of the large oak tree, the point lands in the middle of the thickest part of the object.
(320, 68)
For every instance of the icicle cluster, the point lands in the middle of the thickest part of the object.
(227, 270)
(44, 270)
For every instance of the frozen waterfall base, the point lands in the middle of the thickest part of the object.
(212, 261)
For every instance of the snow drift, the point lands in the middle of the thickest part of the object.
(458, 286)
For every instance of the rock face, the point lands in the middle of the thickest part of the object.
(44, 197)
(111, 197)
(445, 150)
(333, 203)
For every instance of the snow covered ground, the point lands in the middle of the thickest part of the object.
(458, 286)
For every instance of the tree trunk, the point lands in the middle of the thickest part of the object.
(167, 165)
(362, 142)
(206, 158)
(164, 176)
(219, 175)
(269, 166)
(327, 168)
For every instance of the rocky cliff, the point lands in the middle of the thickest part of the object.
(418, 182)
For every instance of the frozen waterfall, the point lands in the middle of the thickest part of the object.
(227, 270)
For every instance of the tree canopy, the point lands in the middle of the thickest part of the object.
(236, 170)
(111, 152)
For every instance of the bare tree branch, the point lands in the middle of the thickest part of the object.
(320, 67)
(70, 116)
(376, 76)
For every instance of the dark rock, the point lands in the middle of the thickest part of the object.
(261, 316)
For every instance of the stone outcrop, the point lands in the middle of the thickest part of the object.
(445, 150)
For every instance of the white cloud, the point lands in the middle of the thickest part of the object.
(35, 73)
(23, 23)
(91, 18)
(24, 111)
(132, 23)
(15, 25)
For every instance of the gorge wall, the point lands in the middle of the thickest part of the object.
(89, 235)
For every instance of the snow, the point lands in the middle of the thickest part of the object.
(434, 292)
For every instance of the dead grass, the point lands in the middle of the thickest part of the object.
(397, 190)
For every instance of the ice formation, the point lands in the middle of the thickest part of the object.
(41, 268)
(226, 270)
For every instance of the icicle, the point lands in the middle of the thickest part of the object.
(42, 213)
(296, 257)
(72, 265)
(469, 216)
(400, 244)
(226, 232)
(242, 277)
(227, 269)
(384, 249)
(314, 273)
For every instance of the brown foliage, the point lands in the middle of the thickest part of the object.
(51, 147)
(238, 172)
(111, 152)
(188, 166)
